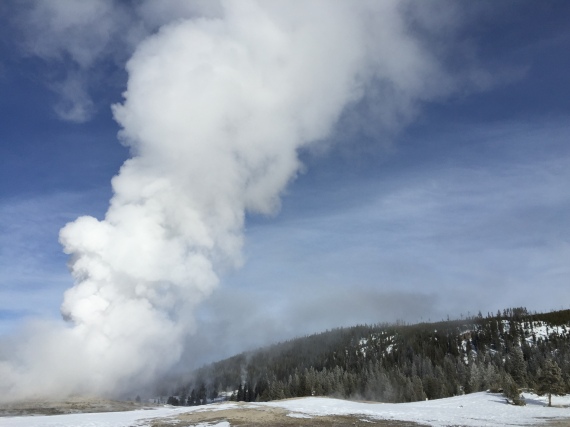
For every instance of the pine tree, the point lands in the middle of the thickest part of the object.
(475, 377)
(550, 381)
(202, 395)
(240, 394)
(518, 366)
(512, 392)
(192, 398)
(172, 400)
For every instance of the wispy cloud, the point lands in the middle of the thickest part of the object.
(90, 38)
(467, 228)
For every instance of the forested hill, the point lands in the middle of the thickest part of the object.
(396, 363)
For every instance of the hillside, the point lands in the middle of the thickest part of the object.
(394, 363)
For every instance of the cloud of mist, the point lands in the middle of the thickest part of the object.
(89, 37)
(215, 112)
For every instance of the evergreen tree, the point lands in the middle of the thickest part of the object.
(475, 377)
(518, 366)
(240, 394)
(550, 381)
(434, 387)
(173, 401)
(192, 398)
(418, 390)
(512, 392)
(202, 395)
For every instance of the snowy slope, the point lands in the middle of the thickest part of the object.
(477, 409)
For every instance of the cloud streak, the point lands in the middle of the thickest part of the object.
(91, 37)
(475, 231)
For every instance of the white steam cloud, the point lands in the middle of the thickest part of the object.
(215, 112)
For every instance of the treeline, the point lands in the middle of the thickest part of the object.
(505, 351)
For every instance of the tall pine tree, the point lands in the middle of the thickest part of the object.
(550, 381)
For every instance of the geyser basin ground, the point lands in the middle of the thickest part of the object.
(477, 409)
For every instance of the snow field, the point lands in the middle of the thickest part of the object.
(476, 410)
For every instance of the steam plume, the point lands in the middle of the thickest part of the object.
(214, 113)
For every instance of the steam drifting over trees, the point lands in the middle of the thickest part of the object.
(403, 363)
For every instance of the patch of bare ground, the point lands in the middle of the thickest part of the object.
(559, 422)
(71, 405)
(247, 416)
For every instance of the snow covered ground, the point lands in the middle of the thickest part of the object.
(102, 419)
(477, 409)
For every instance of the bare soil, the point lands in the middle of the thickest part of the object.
(71, 405)
(263, 416)
(565, 422)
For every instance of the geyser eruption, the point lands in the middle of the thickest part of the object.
(215, 112)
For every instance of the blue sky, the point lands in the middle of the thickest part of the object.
(462, 206)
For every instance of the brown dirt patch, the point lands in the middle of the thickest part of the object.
(560, 422)
(73, 405)
(265, 416)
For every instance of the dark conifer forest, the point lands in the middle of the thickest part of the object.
(504, 352)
